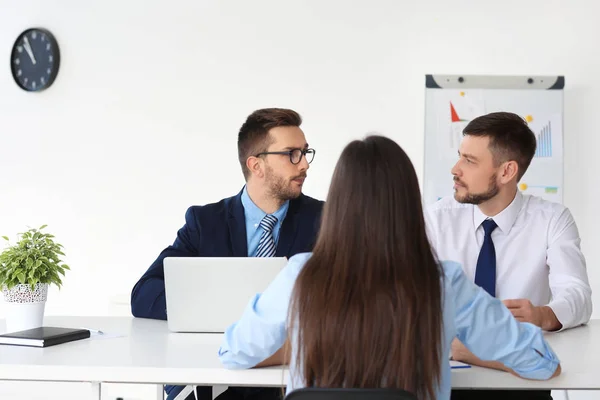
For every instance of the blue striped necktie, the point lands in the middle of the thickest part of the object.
(266, 245)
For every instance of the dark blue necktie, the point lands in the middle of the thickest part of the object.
(485, 274)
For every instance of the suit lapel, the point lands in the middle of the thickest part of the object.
(289, 230)
(237, 227)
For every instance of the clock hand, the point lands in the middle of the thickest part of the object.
(29, 51)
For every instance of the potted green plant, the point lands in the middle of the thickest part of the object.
(27, 268)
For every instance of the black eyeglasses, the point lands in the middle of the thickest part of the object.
(295, 154)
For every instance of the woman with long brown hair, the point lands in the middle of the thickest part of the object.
(371, 307)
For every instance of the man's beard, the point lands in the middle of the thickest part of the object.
(478, 198)
(280, 188)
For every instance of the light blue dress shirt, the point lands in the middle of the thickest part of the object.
(480, 321)
(253, 216)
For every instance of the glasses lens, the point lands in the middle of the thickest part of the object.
(310, 155)
(295, 156)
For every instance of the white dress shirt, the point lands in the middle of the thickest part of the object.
(538, 255)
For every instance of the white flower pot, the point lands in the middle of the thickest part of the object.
(25, 307)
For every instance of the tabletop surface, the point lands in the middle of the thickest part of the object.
(135, 350)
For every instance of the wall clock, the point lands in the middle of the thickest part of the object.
(35, 59)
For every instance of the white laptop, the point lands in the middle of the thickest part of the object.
(209, 294)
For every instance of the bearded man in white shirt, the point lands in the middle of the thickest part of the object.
(520, 248)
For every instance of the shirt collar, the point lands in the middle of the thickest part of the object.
(505, 219)
(254, 214)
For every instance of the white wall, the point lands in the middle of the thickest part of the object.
(142, 119)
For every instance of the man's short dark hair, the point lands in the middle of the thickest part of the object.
(511, 139)
(253, 137)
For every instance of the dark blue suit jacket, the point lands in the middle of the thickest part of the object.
(219, 230)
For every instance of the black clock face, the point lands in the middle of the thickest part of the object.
(35, 59)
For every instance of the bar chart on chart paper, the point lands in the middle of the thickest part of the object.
(544, 141)
(544, 176)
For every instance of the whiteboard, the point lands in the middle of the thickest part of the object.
(451, 101)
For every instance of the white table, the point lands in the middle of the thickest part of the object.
(149, 353)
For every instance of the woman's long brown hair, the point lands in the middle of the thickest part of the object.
(367, 306)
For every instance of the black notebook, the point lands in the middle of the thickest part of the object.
(44, 336)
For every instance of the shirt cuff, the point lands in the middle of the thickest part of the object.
(538, 361)
(563, 312)
(228, 356)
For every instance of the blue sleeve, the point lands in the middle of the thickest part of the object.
(262, 330)
(488, 329)
(148, 294)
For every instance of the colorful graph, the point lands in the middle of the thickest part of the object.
(453, 114)
(456, 128)
(544, 142)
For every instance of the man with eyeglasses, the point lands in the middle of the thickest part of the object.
(269, 217)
